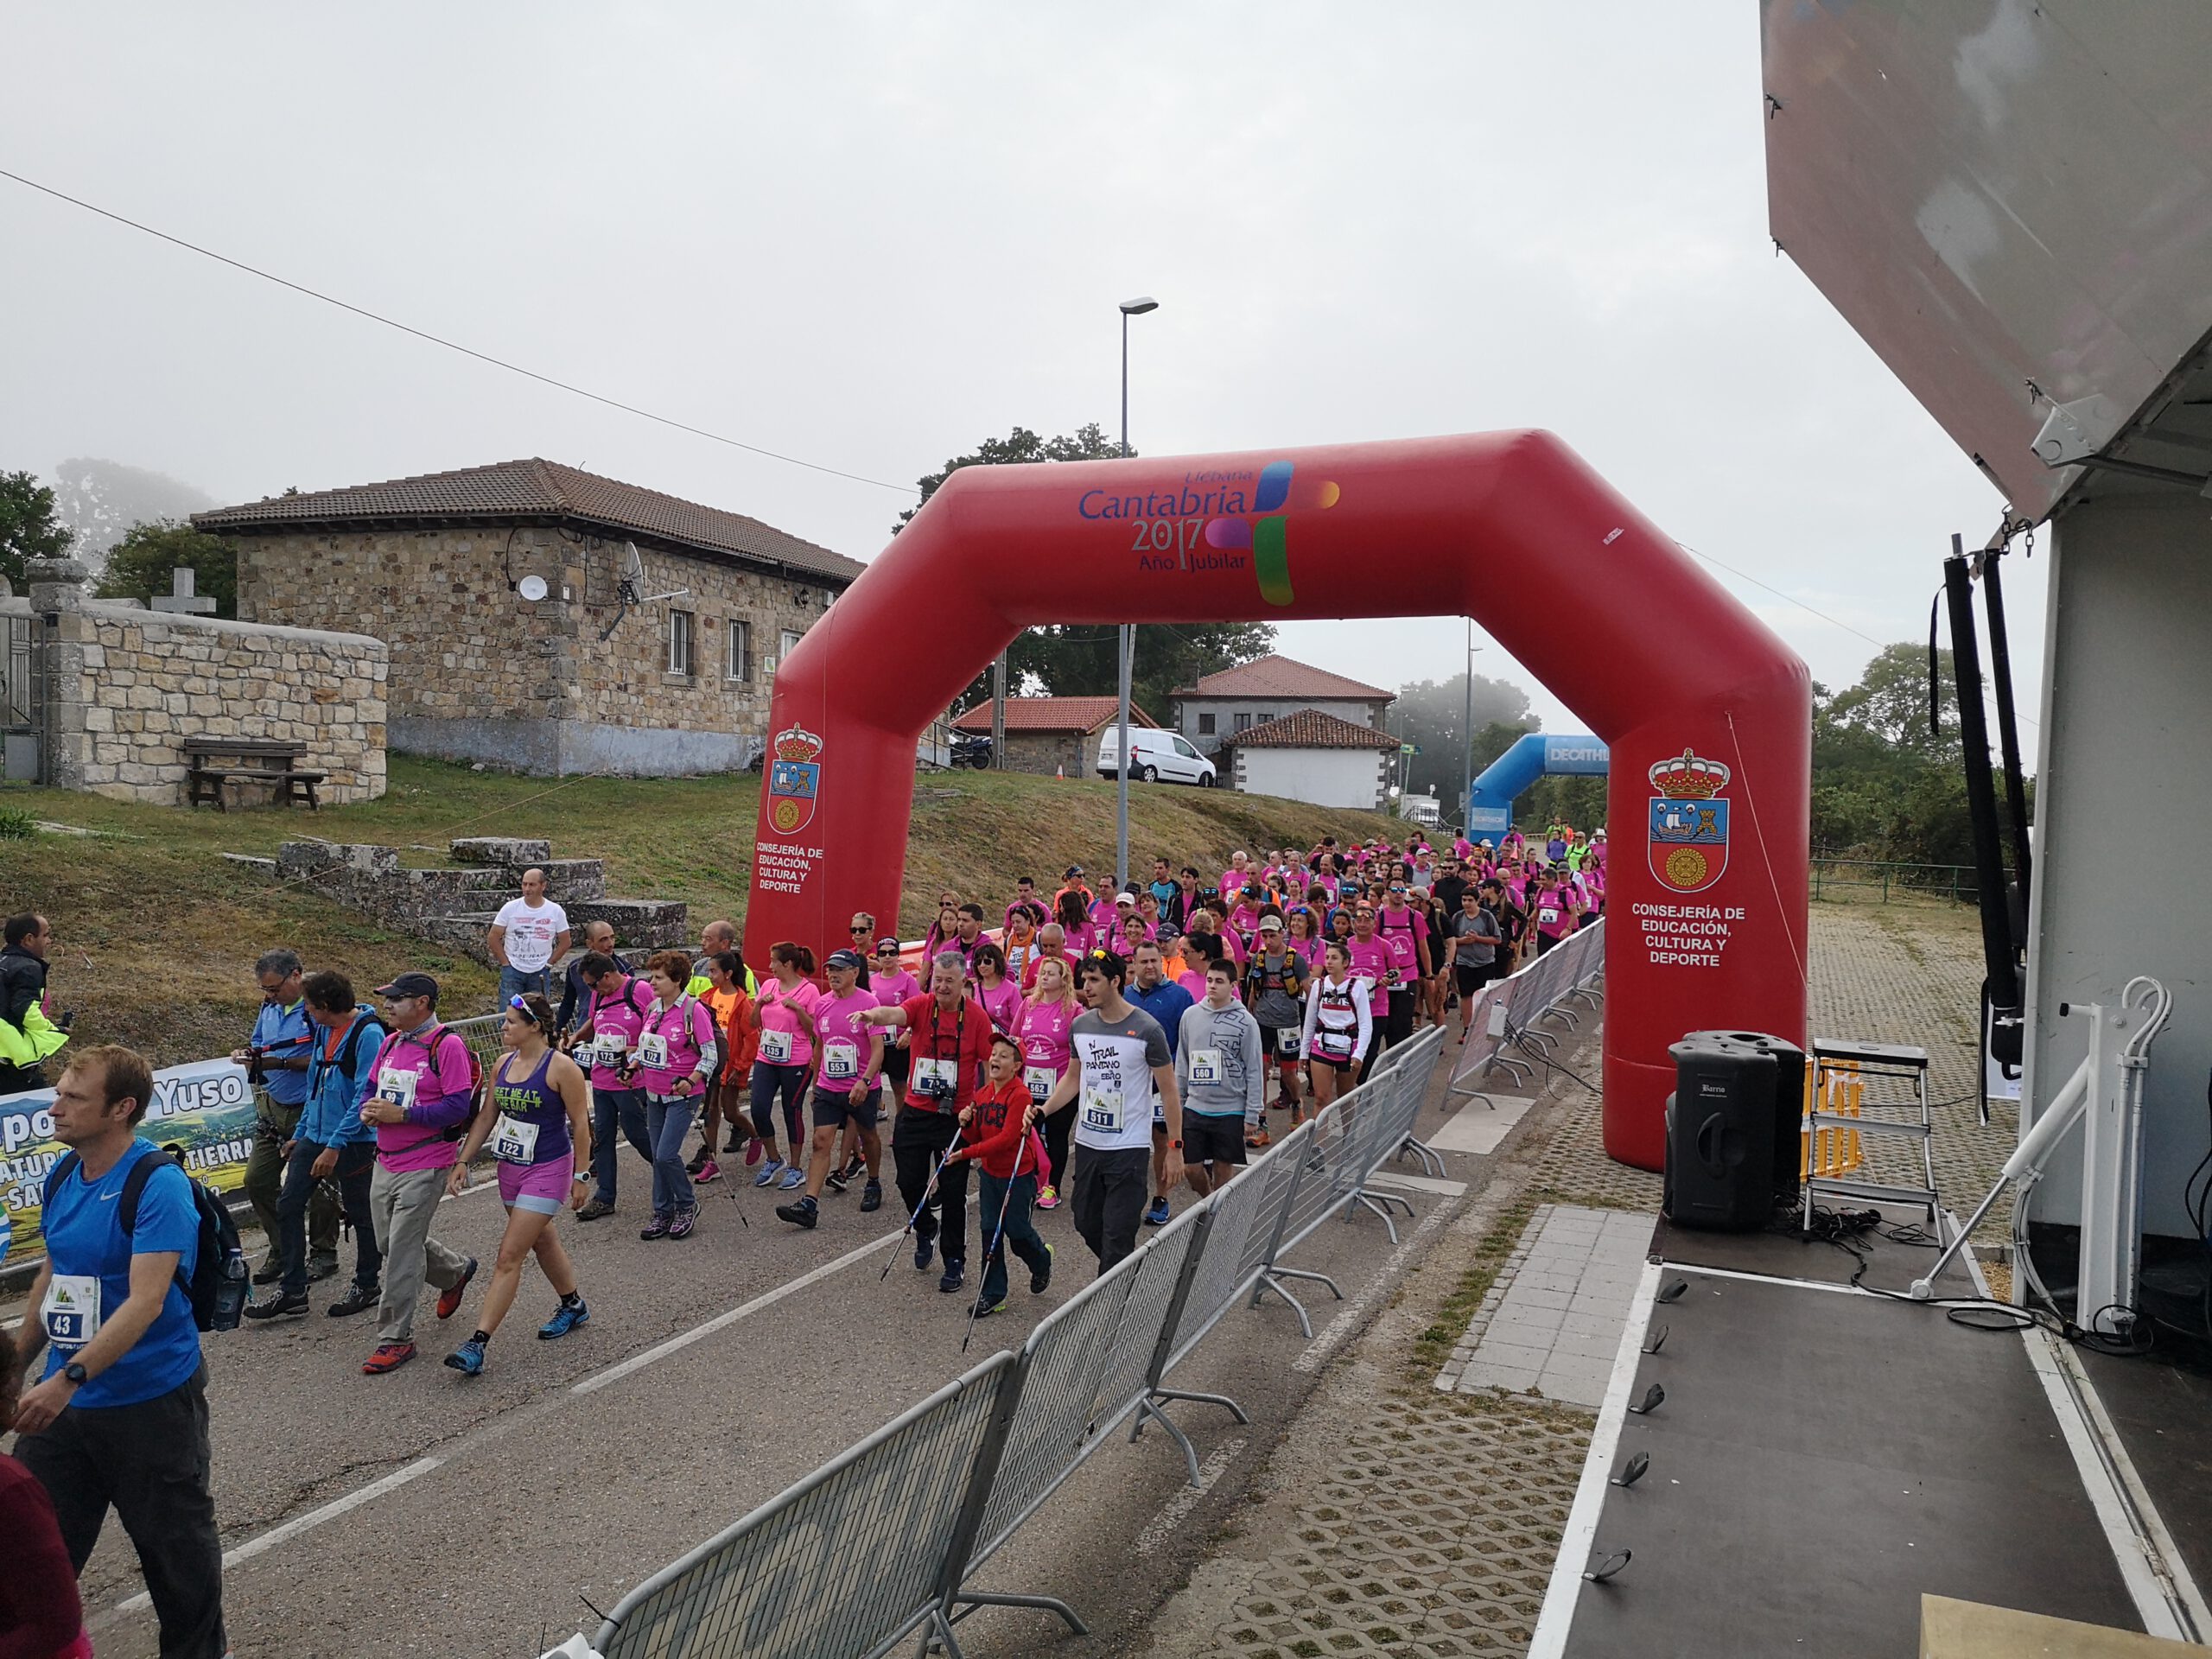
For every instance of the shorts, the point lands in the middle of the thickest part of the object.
(1208, 1139)
(833, 1106)
(1335, 1065)
(540, 1189)
(1470, 980)
(1271, 1041)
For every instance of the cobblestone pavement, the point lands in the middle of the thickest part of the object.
(1396, 1518)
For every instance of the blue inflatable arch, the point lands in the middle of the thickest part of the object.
(1490, 796)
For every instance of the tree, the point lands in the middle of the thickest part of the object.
(1428, 713)
(1890, 704)
(102, 499)
(140, 565)
(1078, 660)
(28, 528)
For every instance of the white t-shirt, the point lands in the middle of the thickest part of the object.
(1116, 1058)
(530, 932)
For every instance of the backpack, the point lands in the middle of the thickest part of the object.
(217, 1286)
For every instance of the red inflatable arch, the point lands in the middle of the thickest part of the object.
(1708, 714)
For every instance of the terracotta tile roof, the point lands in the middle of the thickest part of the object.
(1278, 676)
(1309, 728)
(1085, 715)
(536, 489)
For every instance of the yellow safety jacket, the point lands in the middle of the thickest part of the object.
(31, 1042)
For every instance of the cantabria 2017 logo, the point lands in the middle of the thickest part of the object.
(1218, 520)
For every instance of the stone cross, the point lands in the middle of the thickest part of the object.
(181, 596)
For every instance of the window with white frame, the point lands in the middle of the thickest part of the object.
(680, 624)
(738, 666)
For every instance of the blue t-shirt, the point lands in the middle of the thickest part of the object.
(84, 1236)
(284, 1034)
(1166, 1002)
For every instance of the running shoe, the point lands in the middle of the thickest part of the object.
(1041, 1278)
(769, 1171)
(468, 1358)
(923, 1251)
(839, 1180)
(793, 1176)
(1156, 1215)
(595, 1210)
(388, 1357)
(276, 1307)
(955, 1275)
(1049, 1199)
(566, 1318)
(449, 1297)
(872, 1197)
(683, 1221)
(804, 1213)
(753, 1149)
(1259, 1138)
(657, 1228)
(853, 1165)
(357, 1300)
(710, 1171)
(985, 1307)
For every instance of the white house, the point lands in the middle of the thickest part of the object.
(1312, 756)
(1220, 706)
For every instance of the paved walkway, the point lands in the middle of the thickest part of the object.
(1401, 1516)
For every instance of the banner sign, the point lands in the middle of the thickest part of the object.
(206, 1108)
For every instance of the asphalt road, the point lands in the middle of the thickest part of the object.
(426, 1512)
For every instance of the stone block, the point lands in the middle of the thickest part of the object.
(512, 851)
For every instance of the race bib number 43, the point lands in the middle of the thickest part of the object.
(71, 1311)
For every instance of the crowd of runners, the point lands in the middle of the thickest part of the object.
(1090, 1049)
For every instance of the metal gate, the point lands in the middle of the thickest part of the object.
(22, 686)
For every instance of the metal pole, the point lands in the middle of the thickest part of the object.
(1127, 650)
(998, 713)
(1467, 733)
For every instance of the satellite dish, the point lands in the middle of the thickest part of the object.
(532, 588)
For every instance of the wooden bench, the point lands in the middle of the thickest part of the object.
(213, 762)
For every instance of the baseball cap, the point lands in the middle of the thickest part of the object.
(1125, 897)
(411, 983)
(844, 959)
(1270, 923)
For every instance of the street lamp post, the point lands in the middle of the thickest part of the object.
(1126, 646)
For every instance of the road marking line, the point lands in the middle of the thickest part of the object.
(651, 1356)
(1177, 1508)
(1318, 1351)
(298, 1524)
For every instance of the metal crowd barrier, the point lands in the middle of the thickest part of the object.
(879, 1544)
(1505, 1026)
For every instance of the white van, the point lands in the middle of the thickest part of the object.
(1157, 755)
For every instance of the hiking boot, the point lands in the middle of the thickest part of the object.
(269, 1272)
(276, 1307)
(320, 1267)
(355, 1301)
(595, 1210)
(1157, 1212)
(955, 1275)
(698, 1160)
(1041, 1278)
(468, 1358)
(449, 1297)
(769, 1171)
(706, 1172)
(683, 1221)
(872, 1197)
(388, 1357)
(657, 1228)
(804, 1213)
(732, 1142)
(566, 1318)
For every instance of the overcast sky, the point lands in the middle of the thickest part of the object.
(871, 236)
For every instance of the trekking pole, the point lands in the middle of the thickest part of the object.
(912, 1220)
(998, 1233)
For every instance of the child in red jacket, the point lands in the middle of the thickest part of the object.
(1006, 1152)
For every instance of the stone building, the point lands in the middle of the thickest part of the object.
(517, 639)
(1310, 755)
(1053, 735)
(123, 692)
(1221, 705)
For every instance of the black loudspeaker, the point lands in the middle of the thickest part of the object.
(1720, 1136)
(1789, 1064)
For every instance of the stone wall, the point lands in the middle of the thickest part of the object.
(480, 673)
(126, 688)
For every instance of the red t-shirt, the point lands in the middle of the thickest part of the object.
(961, 1038)
(994, 1135)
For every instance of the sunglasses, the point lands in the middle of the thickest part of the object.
(862, 932)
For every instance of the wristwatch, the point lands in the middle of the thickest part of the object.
(76, 1374)
(580, 1175)
(1176, 1146)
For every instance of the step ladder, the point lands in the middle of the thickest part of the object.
(1870, 1064)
